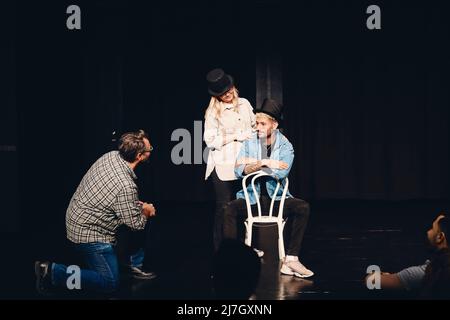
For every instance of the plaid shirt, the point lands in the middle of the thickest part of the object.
(106, 198)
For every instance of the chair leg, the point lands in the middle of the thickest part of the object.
(281, 252)
(248, 234)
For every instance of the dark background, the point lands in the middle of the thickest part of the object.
(367, 111)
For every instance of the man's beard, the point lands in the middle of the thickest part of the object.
(264, 137)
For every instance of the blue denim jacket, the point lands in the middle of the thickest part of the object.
(282, 150)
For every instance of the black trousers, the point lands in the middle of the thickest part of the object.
(225, 191)
(296, 210)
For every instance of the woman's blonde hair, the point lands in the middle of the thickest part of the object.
(215, 105)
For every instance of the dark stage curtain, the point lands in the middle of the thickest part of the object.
(9, 212)
(169, 51)
(368, 111)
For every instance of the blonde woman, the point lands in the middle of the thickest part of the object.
(229, 121)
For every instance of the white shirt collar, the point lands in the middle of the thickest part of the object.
(227, 106)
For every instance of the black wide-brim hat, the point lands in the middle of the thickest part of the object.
(218, 82)
(271, 108)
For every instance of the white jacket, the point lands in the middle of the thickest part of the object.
(222, 156)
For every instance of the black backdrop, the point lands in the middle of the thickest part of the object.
(9, 213)
(367, 111)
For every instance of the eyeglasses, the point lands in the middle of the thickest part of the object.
(149, 150)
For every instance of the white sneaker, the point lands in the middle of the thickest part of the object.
(137, 273)
(260, 253)
(295, 268)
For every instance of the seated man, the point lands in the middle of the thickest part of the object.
(270, 150)
(420, 278)
(106, 198)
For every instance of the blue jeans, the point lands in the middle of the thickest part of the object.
(103, 273)
(137, 259)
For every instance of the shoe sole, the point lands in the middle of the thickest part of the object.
(37, 272)
(143, 278)
(299, 275)
(143, 275)
(289, 272)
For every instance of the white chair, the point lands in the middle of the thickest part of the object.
(268, 218)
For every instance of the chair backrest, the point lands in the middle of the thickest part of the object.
(255, 176)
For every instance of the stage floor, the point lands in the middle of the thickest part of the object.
(342, 239)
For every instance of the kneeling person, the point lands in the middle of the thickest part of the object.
(106, 198)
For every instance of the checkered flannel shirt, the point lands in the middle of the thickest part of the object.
(106, 198)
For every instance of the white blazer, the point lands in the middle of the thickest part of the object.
(222, 156)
